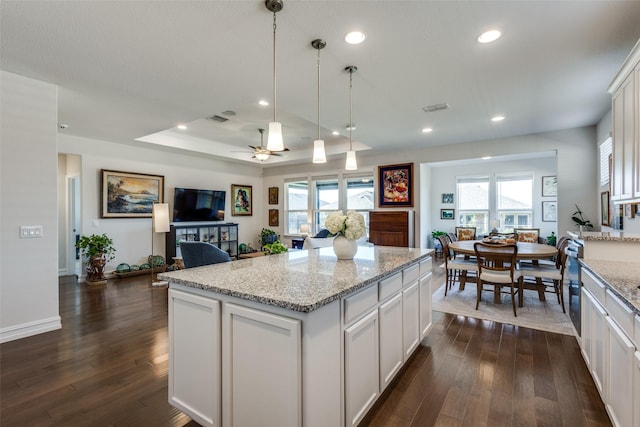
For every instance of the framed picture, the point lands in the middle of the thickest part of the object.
(395, 184)
(447, 198)
(604, 208)
(549, 186)
(273, 195)
(273, 218)
(242, 200)
(630, 210)
(447, 214)
(130, 195)
(550, 211)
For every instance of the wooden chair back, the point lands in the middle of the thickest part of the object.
(529, 235)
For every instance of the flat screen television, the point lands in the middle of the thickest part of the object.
(198, 205)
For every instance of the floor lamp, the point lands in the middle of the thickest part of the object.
(159, 224)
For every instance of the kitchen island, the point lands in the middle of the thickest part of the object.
(294, 339)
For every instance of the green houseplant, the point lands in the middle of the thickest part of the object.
(267, 236)
(97, 249)
(579, 219)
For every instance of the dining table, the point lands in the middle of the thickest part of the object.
(526, 252)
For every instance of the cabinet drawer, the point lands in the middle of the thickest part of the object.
(594, 286)
(360, 303)
(619, 312)
(426, 267)
(390, 286)
(410, 274)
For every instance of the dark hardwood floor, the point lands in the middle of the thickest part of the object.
(107, 366)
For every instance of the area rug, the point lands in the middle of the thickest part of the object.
(542, 315)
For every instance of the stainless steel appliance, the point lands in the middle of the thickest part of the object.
(574, 250)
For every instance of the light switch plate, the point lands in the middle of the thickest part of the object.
(30, 231)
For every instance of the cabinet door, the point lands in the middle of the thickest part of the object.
(266, 393)
(636, 388)
(425, 305)
(411, 319)
(598, 346)
(629, 138)
(361, 370)
(585, 322)
(194, 356)
(619, 376)
(390, 314)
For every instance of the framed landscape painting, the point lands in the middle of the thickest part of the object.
(549, 186)
(447, 214)
(130, 195)
(273, 195)
(550, 211)
(241, 200)
(395, 184)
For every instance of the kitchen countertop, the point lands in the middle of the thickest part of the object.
(298, 280)
(623, 278)
(605, 236)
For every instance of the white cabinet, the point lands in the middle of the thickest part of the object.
(410, 319)
(599, 362)
(194, 356)
(619, 376)
(265, 393)
(361, 367)
(625, 183)
(636, 388)
(585, 323)
(391, 350)
(426, 318)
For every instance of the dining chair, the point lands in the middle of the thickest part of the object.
(466, 233)
(452, 237)
(529, 235)
(497, 269)
(456, 267)
(197, 254)
(551, 277)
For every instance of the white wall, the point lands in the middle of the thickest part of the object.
(28, 267)
(576, 170)
(132, 236)
(443, 180)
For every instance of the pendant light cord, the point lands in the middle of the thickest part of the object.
(274, 66)
(319, 93)
(350, 107)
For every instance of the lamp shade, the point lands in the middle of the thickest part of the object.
(304, 228)
(262, 156)
(274, 138)
(160, 217)
(319, 155)
(351, 163)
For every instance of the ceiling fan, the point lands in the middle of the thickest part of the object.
(261, 153)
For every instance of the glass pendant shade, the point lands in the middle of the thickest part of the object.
(351, 164)
(274, 139)
(262, 156)
(319, 156)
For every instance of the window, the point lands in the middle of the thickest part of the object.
(605, 153)
(514, 200)
(473, 202)
(297, 205)
(329, 194)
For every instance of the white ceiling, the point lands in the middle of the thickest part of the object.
(130, 69)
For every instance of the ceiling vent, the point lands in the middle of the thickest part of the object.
(218, 118)
(436, 107)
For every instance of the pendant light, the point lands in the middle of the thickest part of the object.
(261, 153)
(351, 163)
(274, 138)
(319, 155)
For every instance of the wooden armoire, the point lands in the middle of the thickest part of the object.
(391, 228)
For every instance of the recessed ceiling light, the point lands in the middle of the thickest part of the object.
(335, 132)
(354, 37)
(427, 130)
(182, 127)
(489, 36)
(497, 118)
(485, 157)
(263, 102)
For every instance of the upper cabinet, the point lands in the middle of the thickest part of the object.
(625, 88)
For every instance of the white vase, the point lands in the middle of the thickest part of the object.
(344, 248)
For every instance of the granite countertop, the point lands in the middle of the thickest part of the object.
(623, 278)
(298, 280)
(609, 236)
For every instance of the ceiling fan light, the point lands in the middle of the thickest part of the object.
(351, 164)
(274, 139)
(319, 155)
(262, 156)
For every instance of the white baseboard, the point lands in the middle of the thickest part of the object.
(30, 328)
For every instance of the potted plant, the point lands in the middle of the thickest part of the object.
(579, 219)
(97, 249)
(436, 243)
(267, 236)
